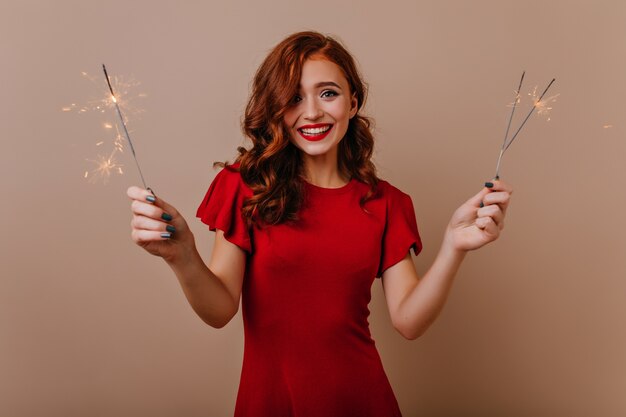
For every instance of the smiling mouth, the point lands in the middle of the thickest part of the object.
(315, 132)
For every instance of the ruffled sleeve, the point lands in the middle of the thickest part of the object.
(401, 233)
(221, 208)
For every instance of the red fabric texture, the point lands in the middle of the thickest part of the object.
(308, 351)
(221, 208)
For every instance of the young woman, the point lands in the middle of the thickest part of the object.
(303, 226)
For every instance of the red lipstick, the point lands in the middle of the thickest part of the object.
(315, 136)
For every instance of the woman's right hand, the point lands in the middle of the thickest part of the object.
(158, 227)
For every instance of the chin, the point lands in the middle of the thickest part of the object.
(314, 149)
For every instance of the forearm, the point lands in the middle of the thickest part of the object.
(474, 224)
(206, 293)
(425, 301)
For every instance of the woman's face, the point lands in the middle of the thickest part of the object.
(319, 114)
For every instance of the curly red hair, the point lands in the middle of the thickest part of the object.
(273, 167)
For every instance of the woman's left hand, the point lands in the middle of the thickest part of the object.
(473, 226)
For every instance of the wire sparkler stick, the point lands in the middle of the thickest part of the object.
(123, 123)
(506, 135)
(535, 105)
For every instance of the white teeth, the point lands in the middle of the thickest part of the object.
(315, 131)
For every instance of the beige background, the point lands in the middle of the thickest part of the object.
(534, 326)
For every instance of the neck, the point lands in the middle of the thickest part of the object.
(323, 171)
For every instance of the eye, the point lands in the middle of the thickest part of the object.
(329, 93)
(296, 99)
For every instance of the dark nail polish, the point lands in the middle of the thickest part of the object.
(482, 204)
(170, 228)
(488, 184)
(166, 235)
(150, 198)
(166, 217)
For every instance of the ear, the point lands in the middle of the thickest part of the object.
(354, 105)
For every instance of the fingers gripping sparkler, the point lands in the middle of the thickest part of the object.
(123, 123)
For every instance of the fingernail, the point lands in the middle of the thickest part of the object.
(166, 235)
(170, 228)
(482, 204)
(150, 198)
(488, 184)
(166, 217)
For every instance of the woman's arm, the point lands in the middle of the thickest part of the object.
(415, 303)
(214, 291)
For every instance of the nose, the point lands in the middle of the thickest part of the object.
(312, 110)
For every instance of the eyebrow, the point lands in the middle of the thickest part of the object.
(327, 83)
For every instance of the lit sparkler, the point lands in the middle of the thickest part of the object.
(543, 106)
(539, 104)
(107, 165)
(123, 123)
(123, 87)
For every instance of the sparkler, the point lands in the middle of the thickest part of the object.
(123, 94)
(538, 104)
(123, 123)
(506, 135)
(107, 164)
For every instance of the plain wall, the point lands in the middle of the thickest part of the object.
(534, 326)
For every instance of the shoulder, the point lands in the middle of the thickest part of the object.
(229, 177)
(226, 189)
(222, 206)
(230, 172)
(390, 192)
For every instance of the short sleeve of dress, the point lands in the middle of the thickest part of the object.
(221, 208)
(401, 233)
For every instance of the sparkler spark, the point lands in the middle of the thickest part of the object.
(105, 166)
(543, 105)
(515, 102)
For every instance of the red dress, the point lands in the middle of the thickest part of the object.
(308, 351)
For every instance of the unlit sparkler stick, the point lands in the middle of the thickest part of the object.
(523, 123)
(506, 135)
(123, 123)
